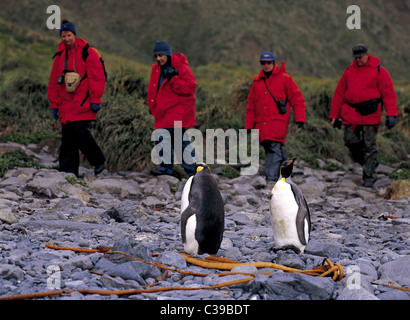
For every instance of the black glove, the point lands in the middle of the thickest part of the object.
(54, 112)
(337, 124)
(300, 124)
(171, 72)
(390, 122)
(95, 107)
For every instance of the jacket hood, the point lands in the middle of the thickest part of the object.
(276, 70)
(178, 59)
(79, 43)
(373, 62)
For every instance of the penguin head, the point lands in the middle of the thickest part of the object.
(286, 168)
(199, 166)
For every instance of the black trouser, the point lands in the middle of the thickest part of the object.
(75, 137)
(275, 155)
(361, 141)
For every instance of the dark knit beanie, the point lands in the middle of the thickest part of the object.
(68, 26)
(162, 48)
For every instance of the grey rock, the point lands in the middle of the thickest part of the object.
(172, 259)
(356, 294)
(294, 286)
(9, 272)
(397, 270)
(7, 216)
(82, 262)
(393, 294)
(127, 271)
(328, 249)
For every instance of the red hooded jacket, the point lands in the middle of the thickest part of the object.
(76, 106)
(262, 112)
(175, 99)
(361, 84)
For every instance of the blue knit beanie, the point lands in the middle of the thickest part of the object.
(68, 26)
(162, 48)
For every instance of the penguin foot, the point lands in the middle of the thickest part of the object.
(286, 248)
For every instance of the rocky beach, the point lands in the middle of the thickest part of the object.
(138, 214)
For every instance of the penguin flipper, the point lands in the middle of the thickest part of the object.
(302, 215)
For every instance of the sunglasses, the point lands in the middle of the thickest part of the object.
(266, 62)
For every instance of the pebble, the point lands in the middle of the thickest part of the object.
(138, 214)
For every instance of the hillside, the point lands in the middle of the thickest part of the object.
(311, 36)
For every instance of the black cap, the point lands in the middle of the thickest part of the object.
(359, 50)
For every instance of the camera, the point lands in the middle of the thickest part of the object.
(60, 80)
(282, 106)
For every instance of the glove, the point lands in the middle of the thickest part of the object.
(337, 124)
(390, 122)
(54, 112)
(171, 72)
(300, 124)
(95, 107)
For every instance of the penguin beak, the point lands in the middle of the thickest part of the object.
(292, 161)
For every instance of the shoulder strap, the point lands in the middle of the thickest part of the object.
(264, 80)
(85, 55)
(58, 53)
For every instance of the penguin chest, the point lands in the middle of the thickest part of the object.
(283, 213)
(191, 245)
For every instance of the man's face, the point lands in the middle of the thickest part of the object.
(267, 66)
(361, 61)
(161, 59)
(68, 38)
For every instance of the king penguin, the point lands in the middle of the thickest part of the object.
(202, 213)
(289, 212)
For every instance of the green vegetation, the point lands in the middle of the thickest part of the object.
(14, 159)
(402, 172)
(74, 180)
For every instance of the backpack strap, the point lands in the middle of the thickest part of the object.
(58, 53)
(85, 55)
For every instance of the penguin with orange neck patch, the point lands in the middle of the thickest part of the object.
(289, 212)
(202, 213)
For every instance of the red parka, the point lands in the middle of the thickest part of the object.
(361, 84)
(76, 106)
(175, 99)
(262, 112)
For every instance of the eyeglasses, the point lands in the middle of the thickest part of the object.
(266, 62)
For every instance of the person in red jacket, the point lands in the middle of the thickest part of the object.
(270, 99)
(171, 100)
(357, 103)
(76, 107)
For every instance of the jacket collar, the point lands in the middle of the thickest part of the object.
(276, 71)
(79, 44)
(373, 62)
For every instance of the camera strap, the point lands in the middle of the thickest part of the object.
(264, 80)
